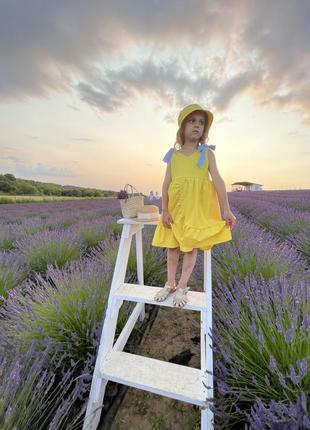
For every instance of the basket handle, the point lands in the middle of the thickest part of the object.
(132, 188)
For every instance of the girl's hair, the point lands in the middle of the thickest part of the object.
(180, 134)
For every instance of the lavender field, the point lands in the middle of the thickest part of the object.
(56, 266)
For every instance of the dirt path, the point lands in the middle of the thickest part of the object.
(170, 335)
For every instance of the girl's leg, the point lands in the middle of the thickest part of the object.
(172, 263)
(173, 255)
(189, 261)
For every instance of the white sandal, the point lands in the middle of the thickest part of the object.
(180, 297)
(164, 292)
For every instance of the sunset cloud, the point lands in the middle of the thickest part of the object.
(113, 52)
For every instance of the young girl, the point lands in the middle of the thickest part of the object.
(191, 217)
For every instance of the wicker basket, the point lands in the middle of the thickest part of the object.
(132, 205)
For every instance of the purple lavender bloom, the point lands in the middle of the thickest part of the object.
(253, 251)
(302, 367)
(50, 247)
(92, 232)
(34, 397)
(278, 415)
(259, 349)
(64, 305)
(8, 235)
(291, 225)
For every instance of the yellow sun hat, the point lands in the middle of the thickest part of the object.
(191, 108)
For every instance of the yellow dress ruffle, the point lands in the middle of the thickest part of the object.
(194, 207)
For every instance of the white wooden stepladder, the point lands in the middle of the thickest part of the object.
(168, 379)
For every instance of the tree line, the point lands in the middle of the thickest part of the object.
(10, 185)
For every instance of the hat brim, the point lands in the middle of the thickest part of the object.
(193, 108)
(207, 113)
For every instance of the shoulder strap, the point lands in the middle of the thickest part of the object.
(168, 155)
(202, 149)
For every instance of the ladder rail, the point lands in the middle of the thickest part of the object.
(98, 384)
(207, 416)
(140, 272)
(130, 323)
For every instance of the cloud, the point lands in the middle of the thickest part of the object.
(11, 158)
(43, 170)
(20, 169)
(73, 108)
(114, 89)
(173, 52)
(44, 44)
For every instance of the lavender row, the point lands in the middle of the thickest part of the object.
(51, 328)
(256, 251)
(33, 253)
(31, 245)
(17, 213)
(282, 198)
(261, 332)
(289, 224)
(253, 262)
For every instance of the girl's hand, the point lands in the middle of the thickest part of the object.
(229, 218)
(167, 219)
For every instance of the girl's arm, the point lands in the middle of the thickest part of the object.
(221, 192)
(165, 186)
(218, 182)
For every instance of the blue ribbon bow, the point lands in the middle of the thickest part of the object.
(168, 156)
(202, 149)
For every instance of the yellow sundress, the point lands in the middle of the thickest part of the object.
(192, 203)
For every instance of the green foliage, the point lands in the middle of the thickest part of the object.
(9, 280)
(264, 344)
(14, 186)
(90, 235)
(38, 392)
(50, 252)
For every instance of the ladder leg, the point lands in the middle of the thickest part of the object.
(139, 257)
(98, 385)
(207, 416)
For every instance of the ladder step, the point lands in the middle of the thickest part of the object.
(145, 294)
(160, 377)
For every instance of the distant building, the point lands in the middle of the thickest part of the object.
(246, 186)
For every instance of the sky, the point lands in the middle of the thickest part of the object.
(90, 90)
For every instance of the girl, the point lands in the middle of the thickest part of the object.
(191, 217)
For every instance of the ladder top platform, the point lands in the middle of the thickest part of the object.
(160, 377)
(135, 221)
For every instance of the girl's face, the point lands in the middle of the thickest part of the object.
(194, 125)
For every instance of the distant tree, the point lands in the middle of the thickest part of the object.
(10, 177)
(26, 188)
(84, 192)
(5, 184)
